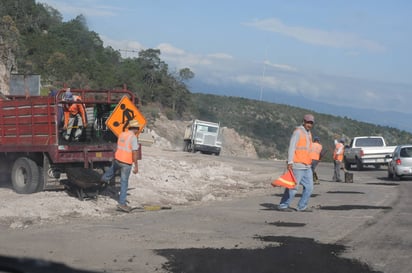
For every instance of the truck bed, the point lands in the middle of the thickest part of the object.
(28, 122)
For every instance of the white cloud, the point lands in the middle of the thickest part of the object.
(168, 49)
(223, 56)
(128, 49)
(87, 8)
(316, 36)
(284, 67)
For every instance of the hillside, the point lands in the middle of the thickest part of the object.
(268, 126)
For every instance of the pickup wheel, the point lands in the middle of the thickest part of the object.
(25, 176)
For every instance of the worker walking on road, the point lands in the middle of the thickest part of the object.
(126, 157)
(338, 160)
(74, 117)
(300, 162)
(316, 154)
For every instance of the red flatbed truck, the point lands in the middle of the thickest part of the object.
(32, 148)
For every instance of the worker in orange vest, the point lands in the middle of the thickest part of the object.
(126, 157)
(317, 153)
(338, 159)
(300, 163)
(74, 117)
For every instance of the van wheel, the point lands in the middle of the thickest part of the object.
(25, 176)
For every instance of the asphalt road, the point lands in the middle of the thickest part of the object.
(363, 226)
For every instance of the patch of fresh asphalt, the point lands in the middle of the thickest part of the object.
(288, 254)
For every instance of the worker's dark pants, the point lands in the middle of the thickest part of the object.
(74, 128)
(336, 172)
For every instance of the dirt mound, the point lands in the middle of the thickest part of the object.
(169, 134)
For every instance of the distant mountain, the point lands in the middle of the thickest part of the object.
(394, 119)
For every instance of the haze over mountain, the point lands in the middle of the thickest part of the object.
(394, 119)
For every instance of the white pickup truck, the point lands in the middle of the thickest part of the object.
(367, 150)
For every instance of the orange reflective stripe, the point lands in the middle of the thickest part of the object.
(303, 148)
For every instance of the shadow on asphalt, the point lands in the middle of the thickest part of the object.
(296, 195)
(383, 184)
(269, 206)
(286, 224)
(286, 255)
(346, 192)
(352, 207)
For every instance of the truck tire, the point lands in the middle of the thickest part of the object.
(25, 176)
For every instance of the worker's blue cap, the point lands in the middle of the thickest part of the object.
(68, 95)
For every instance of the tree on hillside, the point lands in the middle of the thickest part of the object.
(9, 45)
(152, 70)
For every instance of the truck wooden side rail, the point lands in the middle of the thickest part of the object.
(31, 142)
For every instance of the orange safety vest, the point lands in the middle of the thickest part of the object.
(124, 147)
(336, 156)
(316, 150)
(74, 109)
(303, 148)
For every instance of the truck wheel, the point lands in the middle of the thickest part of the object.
(25, 176)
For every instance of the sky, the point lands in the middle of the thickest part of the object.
(353, 53)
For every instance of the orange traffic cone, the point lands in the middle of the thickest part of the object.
(286, 180)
